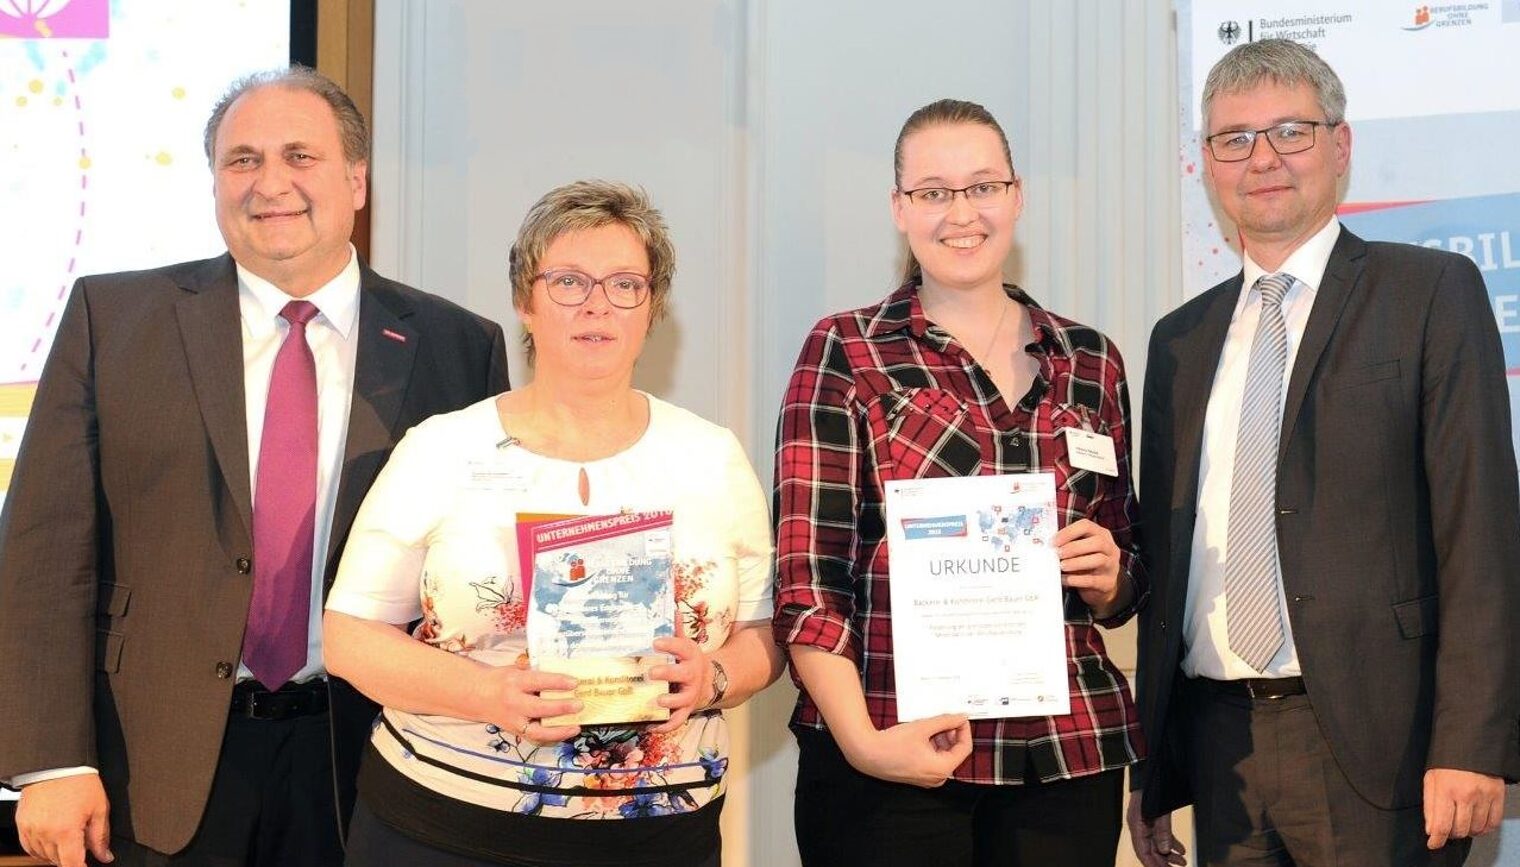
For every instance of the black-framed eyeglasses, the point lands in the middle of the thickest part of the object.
(1291, 137)
(570, 288)
(983, 195)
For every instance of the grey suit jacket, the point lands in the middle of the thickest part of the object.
(1398, 526)
(125, 543)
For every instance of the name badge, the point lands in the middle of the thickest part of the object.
(1091, 451)
(496, 478)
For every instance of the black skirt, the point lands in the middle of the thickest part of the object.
(500, 837)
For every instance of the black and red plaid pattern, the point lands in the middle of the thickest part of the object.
(879, 394)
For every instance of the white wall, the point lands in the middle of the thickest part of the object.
(764, 129)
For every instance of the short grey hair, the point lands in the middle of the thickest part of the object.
(1281, 61)
(352, 128)
(586, 205)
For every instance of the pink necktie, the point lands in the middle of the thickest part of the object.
(284, 511)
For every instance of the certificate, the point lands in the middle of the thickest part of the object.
(978, 623)
(601, 594)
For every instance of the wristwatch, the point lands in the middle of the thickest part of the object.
(719, 683)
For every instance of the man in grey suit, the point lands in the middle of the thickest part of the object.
(190, 472)
(1326, 672)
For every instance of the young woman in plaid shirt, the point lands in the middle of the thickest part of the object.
(953, 374)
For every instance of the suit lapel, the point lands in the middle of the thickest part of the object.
(382, 370)
(210, 324)
(1196, 354)
(1341, 274)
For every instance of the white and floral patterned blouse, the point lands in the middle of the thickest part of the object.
(436, 540)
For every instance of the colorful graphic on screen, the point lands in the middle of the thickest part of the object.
(102, 109)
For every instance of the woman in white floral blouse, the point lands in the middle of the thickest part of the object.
(461, 770)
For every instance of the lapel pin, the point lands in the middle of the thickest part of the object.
(396, 336)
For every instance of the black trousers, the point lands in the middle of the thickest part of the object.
(372, 843)
(271, 802)
(1268, 793)
(845, 818)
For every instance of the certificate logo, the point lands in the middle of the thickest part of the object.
(1449, 15)
(575, 573)
(945, 527)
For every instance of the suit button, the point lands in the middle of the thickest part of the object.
(1163, 626)
(224, 670)
(244, 565)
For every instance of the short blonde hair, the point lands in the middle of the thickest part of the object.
(586, 205)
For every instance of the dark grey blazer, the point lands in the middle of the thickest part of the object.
(1398, 526)
(125, 541)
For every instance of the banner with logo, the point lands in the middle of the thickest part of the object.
(102, 106)
(1433, 100)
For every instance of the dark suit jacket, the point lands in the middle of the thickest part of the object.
(125, 541)
(1398, 527)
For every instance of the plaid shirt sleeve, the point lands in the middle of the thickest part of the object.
(817, 479)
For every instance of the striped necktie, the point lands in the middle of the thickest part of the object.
(1252, 589)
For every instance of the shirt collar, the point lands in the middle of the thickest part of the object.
(1050, 332)
(337, 300)
(897, 311)
(904, 310)
(1307, 264)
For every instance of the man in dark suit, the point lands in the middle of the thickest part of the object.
(186, 483)
(1327, 672)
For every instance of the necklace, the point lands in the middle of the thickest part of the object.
(987, 353)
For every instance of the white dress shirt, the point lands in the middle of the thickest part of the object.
(1208, 651)
(332, 336)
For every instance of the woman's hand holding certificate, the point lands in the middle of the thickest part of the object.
(1090, 566)
(509, 698)
(689, 677)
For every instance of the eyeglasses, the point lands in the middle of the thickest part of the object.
(982, 195)
(570, 288)
(1285, 138)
